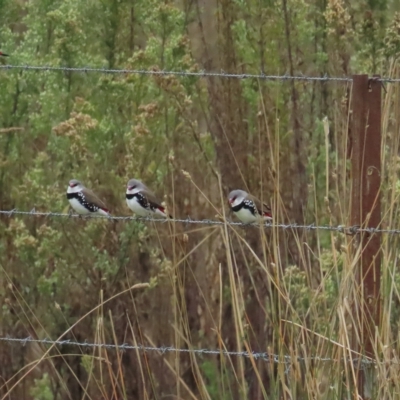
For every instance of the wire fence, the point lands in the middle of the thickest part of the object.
(199, 74)
(349, 230)
(268, 357)
(155, 72)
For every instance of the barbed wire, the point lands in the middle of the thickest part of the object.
(349, 230)
(200, 74)
(389, 80)
(154, 72)
(275, 358)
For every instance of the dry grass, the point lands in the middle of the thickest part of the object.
(284, 292)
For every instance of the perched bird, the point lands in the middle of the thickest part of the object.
(83, 200)
(247, 208)
(142, 201)
(3, 54)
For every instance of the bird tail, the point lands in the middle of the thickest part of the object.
(104, 211)
(267, 214)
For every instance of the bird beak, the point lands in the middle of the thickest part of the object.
(129, 187)
(230, 201)
(3, 54)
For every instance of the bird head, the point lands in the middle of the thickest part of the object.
(74, 183)
(134, 184)
(74, 186)
(235, 195)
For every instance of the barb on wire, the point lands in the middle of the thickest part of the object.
(14, 212)
(349, 230)
(200, 74)
(389, 80)
(125, 346)
(275, 358)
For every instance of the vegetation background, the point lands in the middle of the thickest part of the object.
(192, 140)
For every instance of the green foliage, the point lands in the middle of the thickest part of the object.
(391, 46)
(41, 389)
(216, 388)
(106, 128)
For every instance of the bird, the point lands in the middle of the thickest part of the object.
(247, 208)
(3, 54)
(142, 201)
(84, 201)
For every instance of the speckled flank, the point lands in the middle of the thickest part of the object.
(247, 211)
(81, 206)
(247, 204)
(139, 204)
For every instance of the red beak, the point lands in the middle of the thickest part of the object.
(3, 54)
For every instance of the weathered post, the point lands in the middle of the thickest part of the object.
(366, 212)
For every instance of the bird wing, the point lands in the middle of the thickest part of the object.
(92, 198)
(262, 208)
(152, 200)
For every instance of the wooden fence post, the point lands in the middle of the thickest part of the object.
(366, 212)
